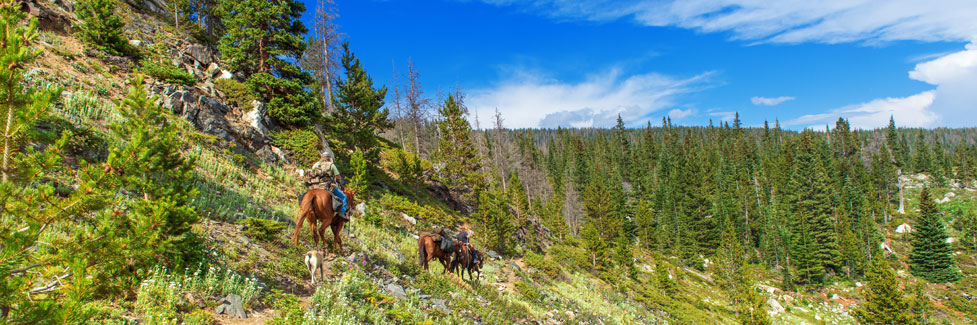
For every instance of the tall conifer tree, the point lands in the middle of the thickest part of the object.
(931, 257)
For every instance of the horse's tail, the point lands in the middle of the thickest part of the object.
(421, 253)
(304, 211)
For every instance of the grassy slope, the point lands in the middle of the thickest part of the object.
(384, 250)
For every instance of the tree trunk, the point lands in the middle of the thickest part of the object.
(6, 134)
(328, 75)
(902, 205)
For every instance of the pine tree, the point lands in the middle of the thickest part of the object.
(456, 151)
(922, 161)
(101, 26)
(27, 206)
(884, 303)
(931, 257)
(359, 176)
(264, 41)
(496, 218)
(360, 115)
(814, 238)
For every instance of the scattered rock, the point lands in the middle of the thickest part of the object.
(212, 70)
(834, 296)
(950, 194)
(949, 240)
(232, 305)
(409, 219)
(397, 291)
(774, 307)
(361, 208)
(943, 200)
(224, 74)
(515, 266)
(201, 54)
(492, 254)
(886, 248)
(858, 284)
(256, 117)
(440, 306)
(904, 228)
(135, 43)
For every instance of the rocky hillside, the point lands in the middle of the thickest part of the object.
(247, 188)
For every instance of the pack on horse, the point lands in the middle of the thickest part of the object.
(430, 245)
(317, 207)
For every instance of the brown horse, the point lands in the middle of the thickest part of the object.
(316, 206)
(467, 258)
(427, 249)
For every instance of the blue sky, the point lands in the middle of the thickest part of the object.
(544, 63)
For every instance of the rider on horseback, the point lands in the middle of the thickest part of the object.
(324, 175)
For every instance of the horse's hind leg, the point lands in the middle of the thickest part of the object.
(337, 230)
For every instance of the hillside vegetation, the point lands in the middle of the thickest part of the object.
(151, 175)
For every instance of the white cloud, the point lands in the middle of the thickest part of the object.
(951, 104)
(678, 114)
(910, 111)
(530, 100)
(768, 101)
(955, 78)
(782, 21)
(724, 116)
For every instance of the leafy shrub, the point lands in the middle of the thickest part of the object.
(236, 93)
(303, 143)
(101, 27)
(408, 167)
(288, 306)
(548, 268)
(169, 73)
(263, 229)
(198, 317)
(402, 204)
(529, 291)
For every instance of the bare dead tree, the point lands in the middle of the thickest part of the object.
(417, 104)
(398, 125)
(322, 54)
(500, 147)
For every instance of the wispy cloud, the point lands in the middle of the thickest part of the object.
(908, 111)
(770, 101)
(783, 21)
(527, 99)
(950, 104)
(724, 116)
(678, 114)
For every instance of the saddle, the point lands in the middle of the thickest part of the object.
(440, 236)
(337, 204)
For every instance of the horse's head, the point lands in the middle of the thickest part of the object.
(350, 197)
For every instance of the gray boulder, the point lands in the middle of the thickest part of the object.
(397, 291)
(201, 54)
(232, 305)
(493, 254)
(440, 306)
(774, 307)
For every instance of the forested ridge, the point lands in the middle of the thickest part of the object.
(152, 153)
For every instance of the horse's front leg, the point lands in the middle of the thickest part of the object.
(321, 232)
